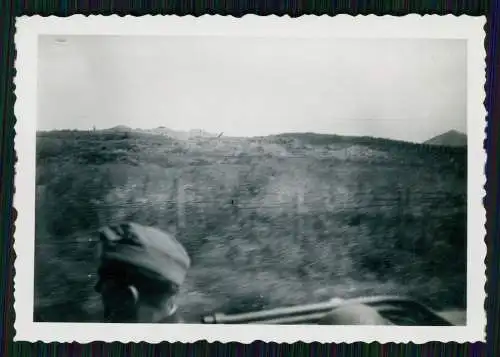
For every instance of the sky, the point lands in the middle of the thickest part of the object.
(404, 89)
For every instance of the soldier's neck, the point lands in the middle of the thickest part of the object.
(165, 315)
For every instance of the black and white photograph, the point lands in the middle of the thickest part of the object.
(262, 181)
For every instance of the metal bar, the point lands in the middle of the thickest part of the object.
(292, 319)
(304, 309)
(390, 308)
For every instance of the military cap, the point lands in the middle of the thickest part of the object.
(145, 248)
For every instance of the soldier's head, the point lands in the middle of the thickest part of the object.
(140, 273)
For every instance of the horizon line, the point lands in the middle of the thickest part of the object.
(221, 134)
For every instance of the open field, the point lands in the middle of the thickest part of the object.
(268, 221)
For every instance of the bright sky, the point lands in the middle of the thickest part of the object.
(400, 89)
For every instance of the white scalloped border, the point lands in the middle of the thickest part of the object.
(370, 26)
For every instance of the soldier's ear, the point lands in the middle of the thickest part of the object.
(134, 293)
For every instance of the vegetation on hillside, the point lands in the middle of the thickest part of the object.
(271, 221)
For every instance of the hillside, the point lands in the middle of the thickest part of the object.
(267, 221)
(161, 130)
(451, 138)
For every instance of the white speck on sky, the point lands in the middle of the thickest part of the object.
(406, 89)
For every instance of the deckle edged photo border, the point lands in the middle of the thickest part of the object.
(343, 26)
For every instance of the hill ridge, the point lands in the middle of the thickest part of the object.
(452, 137)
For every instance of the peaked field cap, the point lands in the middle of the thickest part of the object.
(146, 248)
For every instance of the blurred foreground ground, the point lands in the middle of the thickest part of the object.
(274, 221)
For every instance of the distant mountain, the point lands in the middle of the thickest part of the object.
(450, 138)
(120, 128)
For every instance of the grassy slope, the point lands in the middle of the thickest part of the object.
(283, 220)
